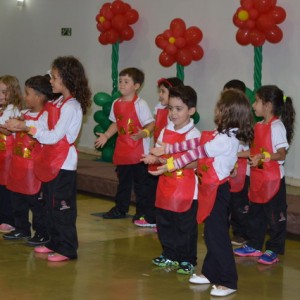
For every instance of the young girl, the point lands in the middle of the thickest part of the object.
(22, 182)
(57, 163)
(267, 193)
(10, 103)
(217, 154)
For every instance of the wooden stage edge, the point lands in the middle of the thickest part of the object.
(100, 178)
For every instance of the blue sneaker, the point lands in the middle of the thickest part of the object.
(268, 258)
(247, 251)
(162, 261)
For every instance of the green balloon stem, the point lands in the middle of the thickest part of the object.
(180, 72)
(258, 58)
(114, 67)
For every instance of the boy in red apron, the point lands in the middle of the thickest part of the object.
(267, 192)
(133, 121)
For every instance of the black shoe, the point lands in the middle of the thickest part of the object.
(114, 213)
(15, 235)
(37, 240)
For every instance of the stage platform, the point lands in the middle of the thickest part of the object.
(100, 178)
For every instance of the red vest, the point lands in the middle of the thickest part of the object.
(21, 178)
(161, 121)
(127, 151)
(208, 181)
(264, 179)
(6, 145)
(237, 183)
(175, 190)
(51, 157)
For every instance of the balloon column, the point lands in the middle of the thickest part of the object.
(180, 45)
(113, 23)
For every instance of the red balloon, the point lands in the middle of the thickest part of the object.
(265, 22)
(178, 27)
(278, 14)
(237, 22)
(193, 35)
(253, 14)
(102, 38)
(118, 7)
(247, 4)
(106, 11)
(257, 38)
(119, 22)
(166, 60)
(100, 27)
(126, 7)
(161, 42)
(274, 35)
(197, 52)
(250, 24)
(263, 6)
(132, 16)
(167, 34)
(180, 42)
(127, 33)
(106, 25)
(184, 57)
(243, 37)
(112, 36)
(171, 49)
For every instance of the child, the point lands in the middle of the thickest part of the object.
(216, 159)
(22, 182)
(56, 164)
(134, 122)
(239, 184)
(176, 195)
(267, 193)
(10, 103)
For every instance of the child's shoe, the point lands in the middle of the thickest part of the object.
(247, 251)
(114, 213)
(6, 228)
(162, 261)
(42, 250)
(185, 268)
(56, 257)
(141, 222)
(199, 279)
(15, 235)
(238, 241)
(37, 240)
(268, 258)
(221, 291)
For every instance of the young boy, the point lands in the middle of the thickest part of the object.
(176, 205)
(133, 121)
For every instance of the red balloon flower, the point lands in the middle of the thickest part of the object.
(179, 44)
(114, 20)
(257, 22)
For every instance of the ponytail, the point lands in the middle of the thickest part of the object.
(288, 115)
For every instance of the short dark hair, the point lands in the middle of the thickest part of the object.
(40, 84)
(235, 84)
(169, 82)
(186, 93)
(137, 75)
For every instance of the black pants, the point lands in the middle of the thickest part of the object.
(60, 196)
(21, 204)
(219, 264)
(135, 176)
(270, 216)
(178, 234)
(6, 212)
(239, 206)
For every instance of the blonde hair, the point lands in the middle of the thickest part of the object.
(13, 92)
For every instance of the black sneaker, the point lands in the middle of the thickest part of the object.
(37, 240)
(114, 213)
(15, 235)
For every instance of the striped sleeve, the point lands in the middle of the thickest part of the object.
(189, 156)
(182, 146)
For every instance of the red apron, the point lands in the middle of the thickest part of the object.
(237, 183)
(208, 181)
(175, 190)
(51, 157)
(6, 145)
(21, 178)
(127, 151)
(161, 122)
(265, 178)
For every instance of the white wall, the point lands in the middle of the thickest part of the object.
(30, 39)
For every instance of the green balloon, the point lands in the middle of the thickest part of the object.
(98, 129)
(106, 108)
(196, 117)
(116, 95)
(101, 98)
(107, 154)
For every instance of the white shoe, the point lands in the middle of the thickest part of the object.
(221, 291)
(199, 279)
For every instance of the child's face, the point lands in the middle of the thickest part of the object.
(3, 93)
(163, 93)
(56, 82)
(179, 113)
(259, 107)
(33, 100)
(127, 87)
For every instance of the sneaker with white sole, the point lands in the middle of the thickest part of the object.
(15, 235)
(6, 228)
(268, 258)
(221, 291)
(199, 279)
(37, 240)
(162, 261)
(185, 268)
(247, 251)
(141, 222)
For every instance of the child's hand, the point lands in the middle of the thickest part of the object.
(160, 170)
(255, 160)
(15, 125)
(139, 135)
(149, 159)
(158, 151)
(101, 140)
